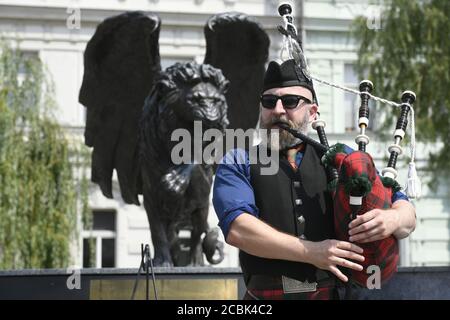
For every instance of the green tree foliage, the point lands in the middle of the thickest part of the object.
(411, 51)
(38, 189)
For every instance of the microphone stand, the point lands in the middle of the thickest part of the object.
(146, 264)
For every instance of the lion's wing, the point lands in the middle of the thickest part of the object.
(239, 47)
(121, 62)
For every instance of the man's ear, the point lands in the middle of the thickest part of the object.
(313, 111)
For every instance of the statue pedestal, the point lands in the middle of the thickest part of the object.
(189, 283)
(179, 283)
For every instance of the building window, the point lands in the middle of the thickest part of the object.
(352, 102)
(99, 244)
(27, 57)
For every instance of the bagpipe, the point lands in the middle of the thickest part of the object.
(354, 181)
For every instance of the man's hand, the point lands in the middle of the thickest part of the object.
(329, 254)
(376, 224)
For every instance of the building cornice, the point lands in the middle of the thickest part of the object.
(95, 16)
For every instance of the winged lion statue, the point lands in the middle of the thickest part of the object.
(132, 108)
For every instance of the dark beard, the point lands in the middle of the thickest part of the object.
(285, 139)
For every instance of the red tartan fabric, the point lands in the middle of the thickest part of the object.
(383, 253)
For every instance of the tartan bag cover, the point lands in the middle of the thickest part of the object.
(355, 169)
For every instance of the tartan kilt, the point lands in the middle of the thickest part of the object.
(326, 293)
(382, 253)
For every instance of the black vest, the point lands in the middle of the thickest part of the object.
(294, 202)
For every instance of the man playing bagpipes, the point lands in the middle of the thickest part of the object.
(284, 224)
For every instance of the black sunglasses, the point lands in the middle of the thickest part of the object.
(289, 101)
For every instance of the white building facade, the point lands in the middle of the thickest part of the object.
(51, 30)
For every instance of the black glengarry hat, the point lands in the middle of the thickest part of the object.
(288, 74)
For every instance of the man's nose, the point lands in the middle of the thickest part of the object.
(279, 109)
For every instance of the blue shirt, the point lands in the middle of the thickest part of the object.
(233, 193)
